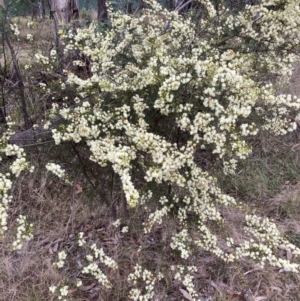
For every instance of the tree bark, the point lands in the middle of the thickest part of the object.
(64, 11)
(42, 9)
(102, 10)
(33, 9)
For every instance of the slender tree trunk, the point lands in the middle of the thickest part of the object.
(129, 8)
(64, 10)
(20, 81)
(102, 10)
(170, 4)
(4, 74)
(34, 10)
(140, 4)
(42, 9)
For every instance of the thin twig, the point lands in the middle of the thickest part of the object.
(20, 81)
(86, 174)
(179, 8)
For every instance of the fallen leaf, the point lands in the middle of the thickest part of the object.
(44, 241)
(260, 298)
(78, 189)
(214, 285)
(55, 247)
(86, 288)
(284, 270)
(254, 270)
(186, 295)
(276, 288)
(238, 296)
(289, 255)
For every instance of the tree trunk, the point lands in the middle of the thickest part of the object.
(42, 9)
(20, 81)
(102, 11)
(64, 11)
(33, 9)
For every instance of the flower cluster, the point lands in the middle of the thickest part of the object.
(18, 164)
(46, 62)
(29, 37)
(62, 255)
(81, 241)
(58, 171)
(42, 59)
(182, 241)
(185, 275)
(5, 186)
(24, 232)
(62, 291)
(93, 269)
(14, 28)
(141, 274)
(30, 24)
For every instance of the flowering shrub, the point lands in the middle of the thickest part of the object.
(13, 169)
(162, 90)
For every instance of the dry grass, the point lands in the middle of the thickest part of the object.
(59, 212)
